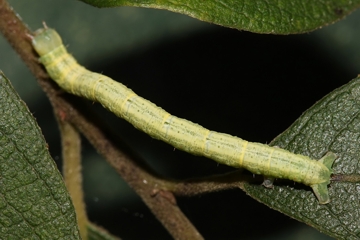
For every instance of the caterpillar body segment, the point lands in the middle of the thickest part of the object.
(182, 134)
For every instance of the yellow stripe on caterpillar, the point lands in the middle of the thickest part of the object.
(243, 150)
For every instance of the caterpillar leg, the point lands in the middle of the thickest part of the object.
(321, 190)
(268, 182)
(328, 160)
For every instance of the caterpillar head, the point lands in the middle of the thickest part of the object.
(45, 40)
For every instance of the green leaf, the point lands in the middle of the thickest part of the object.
(332, 124)
(261, 16)
(34, 203)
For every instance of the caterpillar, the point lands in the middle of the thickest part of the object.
(272, 162)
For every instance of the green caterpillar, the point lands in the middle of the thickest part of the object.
(258, 158)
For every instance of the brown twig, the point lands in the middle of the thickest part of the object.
(215, 183)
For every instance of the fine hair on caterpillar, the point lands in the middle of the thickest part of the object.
(258, 158)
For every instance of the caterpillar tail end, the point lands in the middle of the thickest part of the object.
(321, 190)
(328, 160)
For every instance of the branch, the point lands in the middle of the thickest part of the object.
(215, 183)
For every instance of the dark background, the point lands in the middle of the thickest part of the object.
(248, 85)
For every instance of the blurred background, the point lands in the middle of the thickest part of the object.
(248, 85)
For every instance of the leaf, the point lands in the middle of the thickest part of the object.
(34, 203)
(332, 124)
(261, 16)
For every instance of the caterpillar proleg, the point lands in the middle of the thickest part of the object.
(180, 133)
